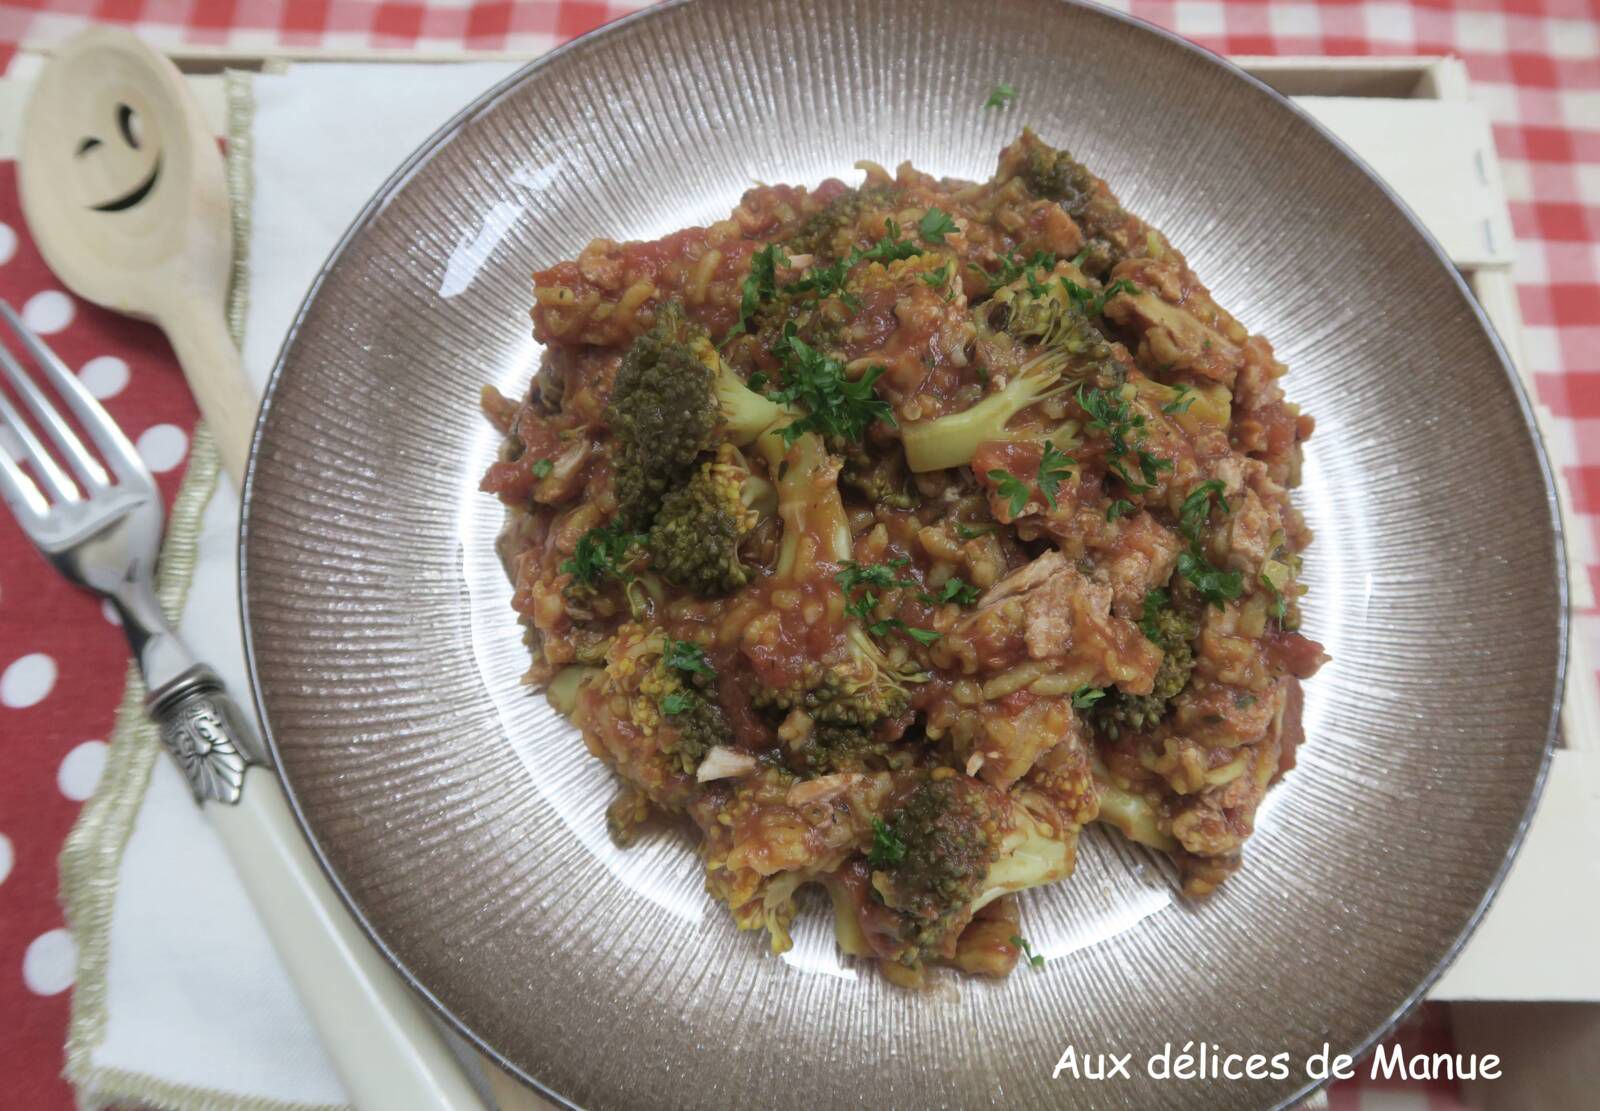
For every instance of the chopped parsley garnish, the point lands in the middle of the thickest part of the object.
(1053, 468)
(542, 468)
(758, 381)
(1000, 96)
(835, 405)
(761, 285)
(1011, 487)
(954, 590)
(1092, 303)
(600, 552)
(1119, 508)
(1118, 468)
(969, 532)
(1280, 601)
(1215, 586)
(1244, 701)
(677, 702)
(1085, 697)
(1151, 466)
(1181, 403)
(686, 656)
(1012, 268)
(1033, 958)
(1121, 285)
(1149, 621)
(939, 279)
(825, 281)
(887, 847)
(1110, 414)
(891, 247)
(882, 576)
(1197, 507)
(934, 226)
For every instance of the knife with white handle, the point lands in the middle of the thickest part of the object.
(124, 194)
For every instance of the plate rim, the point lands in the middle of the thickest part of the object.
(489, 97)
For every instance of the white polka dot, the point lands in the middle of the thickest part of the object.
(109, 612)
(48, 312)
(8, 243)
(104, 377)
(48, 965)
(27, 680)
(162, 446)
(6, 857)
(79, 773)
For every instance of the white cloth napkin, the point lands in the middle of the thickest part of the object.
(195, 995)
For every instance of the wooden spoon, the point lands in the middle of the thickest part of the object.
(123, 190)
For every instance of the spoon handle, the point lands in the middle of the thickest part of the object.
(211, 363)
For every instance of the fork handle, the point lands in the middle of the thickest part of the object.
(386, 1050)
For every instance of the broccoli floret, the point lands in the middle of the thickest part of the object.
(818, 233)
(951, 441)
(882, 480)
(672, 401)
(1052, 316)
(1054, 175)
(697, 532)
(843, 748)
(682, 685)
(954, 846)
(933, 854)
(863, 687)
(1172, 632)
(859, 692)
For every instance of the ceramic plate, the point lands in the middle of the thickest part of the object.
(463, 819)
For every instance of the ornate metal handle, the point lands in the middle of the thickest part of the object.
(206, 734)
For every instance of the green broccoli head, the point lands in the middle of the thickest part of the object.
(855, 693)
(682, 685)
(672, 401)
(818, 234)
(860, 687)
(843, 748)
(1172, 631)
(882, 480)
(695, 540)
(1054, 175)
(1051, 315)
(932, 855)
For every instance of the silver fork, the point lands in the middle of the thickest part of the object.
(103, 532)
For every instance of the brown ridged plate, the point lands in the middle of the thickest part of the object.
(462, 818)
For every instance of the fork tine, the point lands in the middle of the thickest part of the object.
(55, 479)
(21, 494)
(84, 465)
(119, 453)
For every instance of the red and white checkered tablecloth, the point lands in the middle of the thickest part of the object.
(1534, 64)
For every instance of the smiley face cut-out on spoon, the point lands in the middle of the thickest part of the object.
(128, 132)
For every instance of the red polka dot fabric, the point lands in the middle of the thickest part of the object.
(62, 660)
(1535, 66)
